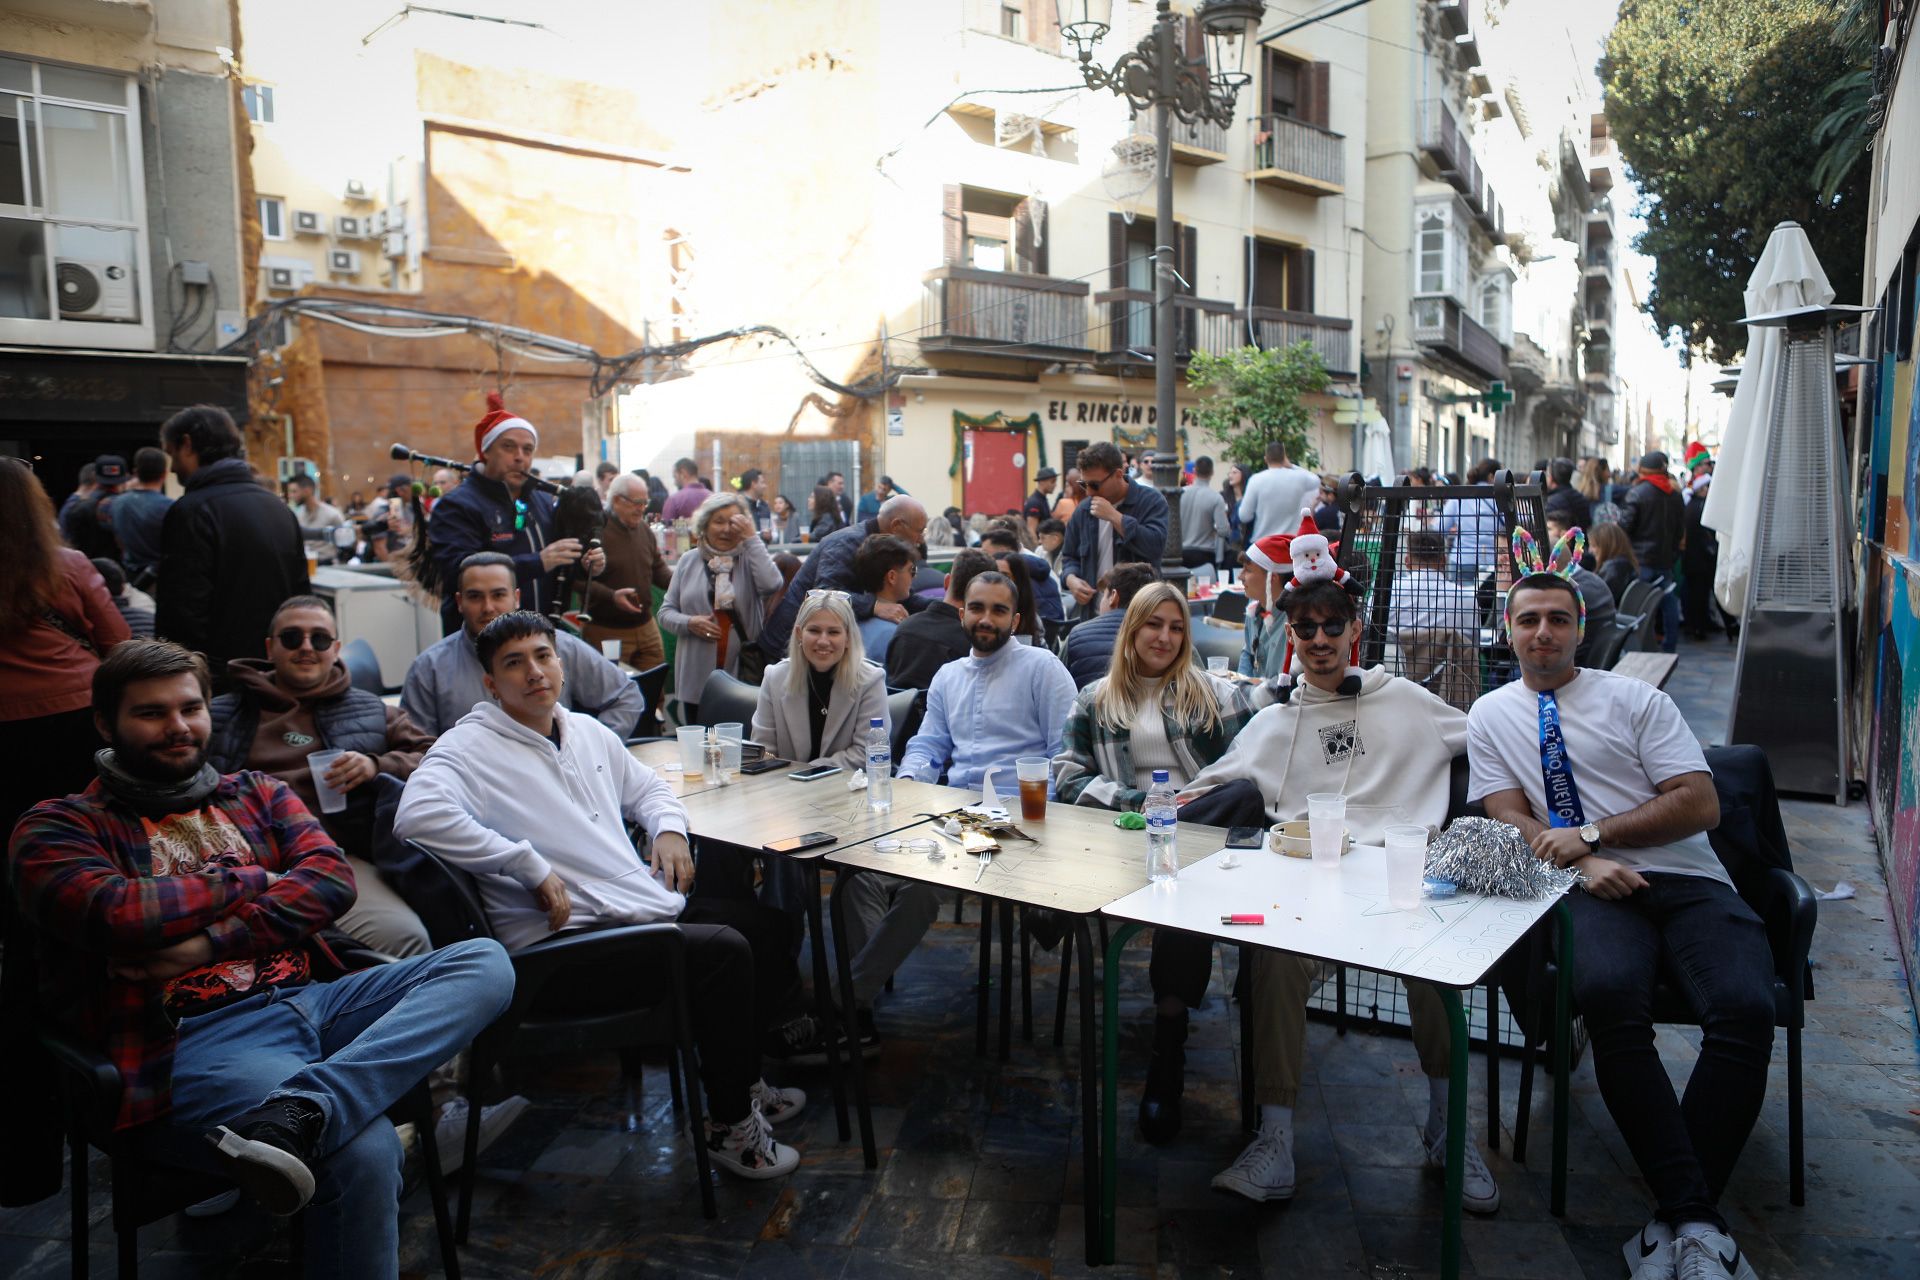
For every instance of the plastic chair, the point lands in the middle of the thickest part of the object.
(521, 1031)
(1610, 644)
(725, 700)
(363, 666)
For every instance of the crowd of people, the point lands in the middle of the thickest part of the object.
(182, 852)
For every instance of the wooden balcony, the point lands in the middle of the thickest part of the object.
(1439, 133)
(1123, 327)
(1292, 155)
(1198, 142)
(1007, 314)
(1331, 336)
(1442, 324)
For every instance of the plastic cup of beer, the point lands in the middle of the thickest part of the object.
(693, 750)
(1326, 827)
(331, 799)
(1406, 865)
(1033, 786)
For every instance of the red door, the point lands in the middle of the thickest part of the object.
(993, 472)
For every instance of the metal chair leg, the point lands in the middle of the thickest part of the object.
(1340, 1000)
(1060, 997)
(1249, 1113)
(985, 978)
(687, 1058)
(1026, 980)
(423, 1119)
(477, 1068)
(1796, 1124)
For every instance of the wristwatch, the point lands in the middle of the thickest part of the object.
(1591, 834)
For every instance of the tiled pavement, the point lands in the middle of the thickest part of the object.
(979, 1175)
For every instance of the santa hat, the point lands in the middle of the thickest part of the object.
(1697, 456)
(1273, 554)
(496, 421)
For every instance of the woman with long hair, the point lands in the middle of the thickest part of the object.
(1613, 557)
(786, 519)
(1155, 709)
(824, 513)
(716, 603)
(816, 704)
(56, 623)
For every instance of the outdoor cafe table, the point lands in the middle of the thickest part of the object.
(1343, 916)
(1076, 863)
(751, 811)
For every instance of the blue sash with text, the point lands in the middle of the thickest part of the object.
(1563, 797)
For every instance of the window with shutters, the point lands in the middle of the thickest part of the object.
(994, 231)
(1284, 76)
(1282, 276)
(1013, 23)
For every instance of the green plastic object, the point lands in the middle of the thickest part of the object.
(1131, 822)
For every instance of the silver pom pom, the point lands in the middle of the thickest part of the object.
(1483, 856)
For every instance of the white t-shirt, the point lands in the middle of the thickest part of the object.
(1623, 738)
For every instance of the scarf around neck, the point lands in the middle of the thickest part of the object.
(150, 798)
(1659, 480)
(720, 574)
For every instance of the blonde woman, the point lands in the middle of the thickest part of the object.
(1155, 709)
(817, 705)
(716, 603)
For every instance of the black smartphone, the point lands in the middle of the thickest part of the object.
(1246, 837)
(800, 844)
(765, 764)
(810, 775)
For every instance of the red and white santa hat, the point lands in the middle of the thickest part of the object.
(496, 421)
(1274, 554)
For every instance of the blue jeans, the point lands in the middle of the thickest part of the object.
(1669, 608)
(1710, 946)
(352, 1048)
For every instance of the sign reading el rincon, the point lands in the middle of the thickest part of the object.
(1116, 413)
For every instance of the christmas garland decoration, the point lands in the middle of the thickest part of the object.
(995, 421)
(1149, 438)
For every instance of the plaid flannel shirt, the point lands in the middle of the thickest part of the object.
(82, 879)
(1095, 764)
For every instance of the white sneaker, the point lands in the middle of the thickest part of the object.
(776, 1104)
(450, 1130)
(1479, 1193)
(1264, 1170)
(213, 1206)
(1711, 1255)
(747, 1149)
(1649, 1255)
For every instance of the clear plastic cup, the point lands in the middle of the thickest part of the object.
(727, 753)
(693, 750)
(331, 799)
(732, 729)
(1406, 865)
(1217, 666)
(1326, 826)
(1033, 771)
(610, 650)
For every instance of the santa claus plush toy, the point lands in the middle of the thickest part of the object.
(1313, 561)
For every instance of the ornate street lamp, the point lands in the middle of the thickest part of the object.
(1159, 74)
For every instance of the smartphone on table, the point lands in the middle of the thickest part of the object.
(811, 775)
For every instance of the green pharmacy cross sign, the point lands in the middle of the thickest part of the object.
(1495, 398)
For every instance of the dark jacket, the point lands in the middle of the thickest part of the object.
(926, 642)
(828, 566)
(1570, 504)
(230, 553)
(1653, 519)
(1089, 647)
(479, 516)
(1142, 536)
(1618, 575)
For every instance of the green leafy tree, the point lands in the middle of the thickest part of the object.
(1717, 105)
(1253, 397)
(1848, 128)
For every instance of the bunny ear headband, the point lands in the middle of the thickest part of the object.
(1559, 563)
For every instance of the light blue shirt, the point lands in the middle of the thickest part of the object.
(443, 684)
(987, 711)
(1470, 524)
(876, 633)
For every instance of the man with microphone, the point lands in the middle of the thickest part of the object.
(501, 508)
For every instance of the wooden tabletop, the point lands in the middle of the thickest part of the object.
(755, 811)
(658, 755)
(1078, 860)
(1654, 668)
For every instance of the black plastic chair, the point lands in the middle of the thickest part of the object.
(363, 667)
(520, 1031)
(1611, 643)
(1637, 600)
(146, 1190)
(653, 688)
(726, 700)
(900, 716)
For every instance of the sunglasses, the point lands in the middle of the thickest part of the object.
(823, 593)
(1308, 630)
(294, 637)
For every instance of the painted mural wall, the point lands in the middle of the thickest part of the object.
(1889, 690)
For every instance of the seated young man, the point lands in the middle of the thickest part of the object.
(1622, 793)
(1388, 746)
(1089, 649)
(883, 568)
(175, 910)
(445, 681)
(533, 801)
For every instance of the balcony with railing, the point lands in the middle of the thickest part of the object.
(1195, 142)
(1446, 142)
(1528, 364)
(1599, 261)
(1003, 313)
(1441, 323)
(1270, 328)
(1123, 327)
(1296, 156)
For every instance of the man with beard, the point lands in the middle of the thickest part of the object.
(445, 682)
(1623, 794)
(173, 910)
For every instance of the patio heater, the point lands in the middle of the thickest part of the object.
(1790, 684)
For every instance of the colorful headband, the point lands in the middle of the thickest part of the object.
(1560, 563)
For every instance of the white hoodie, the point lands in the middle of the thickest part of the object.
(1388, 749)
(502, 802)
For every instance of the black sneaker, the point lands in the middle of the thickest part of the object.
(813, 1051)
(268, 1152)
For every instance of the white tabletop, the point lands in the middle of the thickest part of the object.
(1342, 916)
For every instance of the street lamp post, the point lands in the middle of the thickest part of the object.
(1157, 73)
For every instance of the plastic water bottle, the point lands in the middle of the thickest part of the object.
(879, 767)
(1163, 817)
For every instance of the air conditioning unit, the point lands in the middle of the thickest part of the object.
(343, 262)
(95, 290)
(376, 223)
(280, 280)
(349, 227)
(358, 190)
(306, 222)
(394, 244)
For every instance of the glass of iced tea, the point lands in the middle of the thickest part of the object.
(1033, 786)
